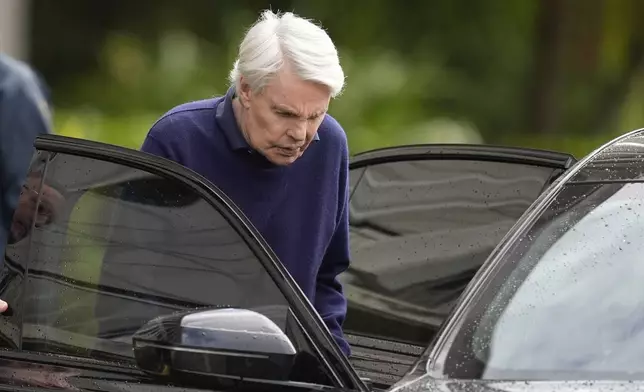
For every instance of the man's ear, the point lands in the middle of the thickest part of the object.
(245, 93)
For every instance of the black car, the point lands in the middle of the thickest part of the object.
(128, 272)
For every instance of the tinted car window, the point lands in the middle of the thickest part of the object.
(566, 304)
(419, 232)
(126, 246)
(16, 255)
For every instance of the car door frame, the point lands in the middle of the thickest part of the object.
(342, 373)
(484, 152)
(472, 152)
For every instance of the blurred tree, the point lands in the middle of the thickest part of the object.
(545, 73)
(544, 104)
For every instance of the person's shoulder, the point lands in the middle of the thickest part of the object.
(17, 75)
(184, 117)
(332, 149)
(14, 69)
(22, 88)
(332, 132)
(188, 111)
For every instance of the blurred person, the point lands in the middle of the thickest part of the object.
(24, 115)
(270, 145)
(38, 205)
(34, 208)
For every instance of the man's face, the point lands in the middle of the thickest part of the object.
(281, 121)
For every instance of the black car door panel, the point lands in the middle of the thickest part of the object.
(34, 372)
(423, 220)
(107, 239)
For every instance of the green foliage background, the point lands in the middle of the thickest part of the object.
(564, 75)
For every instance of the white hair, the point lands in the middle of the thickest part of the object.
(279, 39)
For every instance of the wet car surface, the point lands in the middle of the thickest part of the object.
(139, 275)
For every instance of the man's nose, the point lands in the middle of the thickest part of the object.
(297, 131)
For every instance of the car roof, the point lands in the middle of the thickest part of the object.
(620, 160)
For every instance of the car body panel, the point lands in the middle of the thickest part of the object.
(429, 384)
(33, 372)
(621, 160)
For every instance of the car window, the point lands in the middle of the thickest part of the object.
(120, 247)
(567, 307)
(16, 250)
(420, 229)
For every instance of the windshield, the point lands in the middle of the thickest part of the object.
(568, 300)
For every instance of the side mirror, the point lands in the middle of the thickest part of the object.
(224, 343)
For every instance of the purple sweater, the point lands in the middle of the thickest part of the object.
(301, 209)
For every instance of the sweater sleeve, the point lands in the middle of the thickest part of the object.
(330, 301)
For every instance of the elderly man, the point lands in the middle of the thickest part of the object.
(270, 145)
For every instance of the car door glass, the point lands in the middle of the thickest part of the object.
(125, 246)
(419, 232)
(16, 249)
(420, 229)
(589, 253)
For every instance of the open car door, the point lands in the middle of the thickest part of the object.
(423, 220)
(126, 271)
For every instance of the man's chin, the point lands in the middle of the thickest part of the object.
(283, 160)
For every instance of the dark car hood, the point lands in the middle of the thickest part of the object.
(427, 384)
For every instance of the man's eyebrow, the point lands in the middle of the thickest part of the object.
(286, 109)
